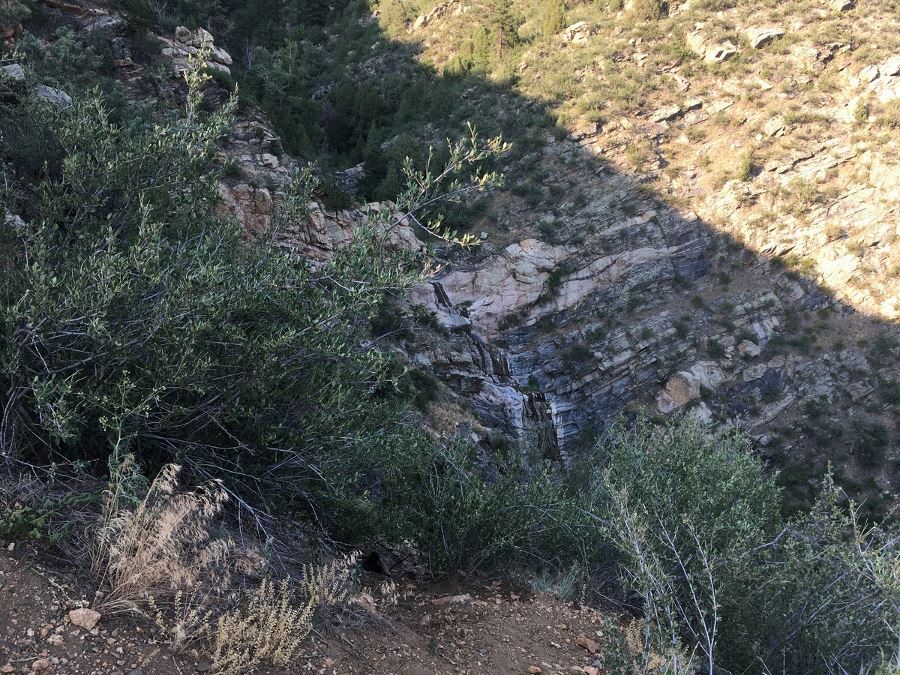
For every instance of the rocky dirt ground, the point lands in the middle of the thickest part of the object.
(39, 631)
(472, 627)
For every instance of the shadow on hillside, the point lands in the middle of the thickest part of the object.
(640, 290)
(631, 290)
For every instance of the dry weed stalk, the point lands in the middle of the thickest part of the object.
(271, 622)
(160, 547)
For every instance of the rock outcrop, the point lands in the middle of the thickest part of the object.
(710, 50)
(190, 43)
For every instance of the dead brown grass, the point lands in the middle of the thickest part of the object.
(161, 546)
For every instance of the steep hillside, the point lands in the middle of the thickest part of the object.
(415, 336)
(701, 212)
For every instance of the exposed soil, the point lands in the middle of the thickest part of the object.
(472, 627)
(36, 636)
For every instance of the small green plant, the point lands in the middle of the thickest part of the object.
(715, 349)
(647, 10)
(871, 442)
(26, 522)
(745, 167)
(861, 111)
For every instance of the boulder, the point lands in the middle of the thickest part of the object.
(188, 43)
(665, 113)
(54, 96)
(891, 67)
(842, 5)
(709, 51)
(13, 72)
(437, 12)
(108, 23)
(579, 32)
(759, 36)
(15, 222)
(687, 385)
(774, 126)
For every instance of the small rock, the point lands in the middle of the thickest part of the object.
(587, 643)
(869, 74)
(15, 222)
(203, 665)
(39, 665)
(579, 32)
(13, 72)
(56, 640)
(749, 349)
(535, 670)
(710, 52)
(891, 67)
(665, 113)
(774, 126)
(269, 160)
(720, 52)
(84, 618)
(842, 5)
(107, 23)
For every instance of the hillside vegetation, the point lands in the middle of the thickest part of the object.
(246, 406)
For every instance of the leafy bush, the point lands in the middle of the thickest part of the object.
(136, 320)
(140, 323)
(826, 595)
(463, 516)
(684, 504)
(647, 10)
(703, 545)
(871, 440)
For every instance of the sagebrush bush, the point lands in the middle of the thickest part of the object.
(142, 326)
(703, 544)
(137, 320)
(646, 10)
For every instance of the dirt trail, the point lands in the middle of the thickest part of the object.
(468, 628)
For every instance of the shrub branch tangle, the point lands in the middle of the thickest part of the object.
(138, 321)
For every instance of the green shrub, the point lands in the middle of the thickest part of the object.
(647, 10)
(553, 17)
(508, 513)
(827, 593)
(871, 440)
(144, 323)
(137, 321)
(703, 545)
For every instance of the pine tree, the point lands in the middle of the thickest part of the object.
(504, 25)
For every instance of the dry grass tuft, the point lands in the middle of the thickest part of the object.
(161, 546)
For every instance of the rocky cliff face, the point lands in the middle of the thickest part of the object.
(729, 246)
